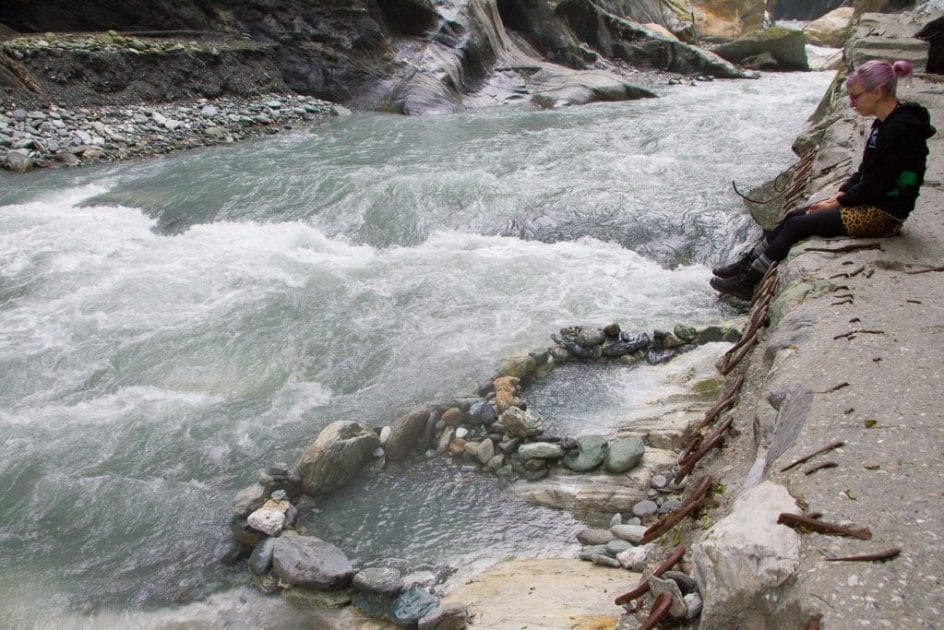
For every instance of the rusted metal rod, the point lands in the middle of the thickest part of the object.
(659, 610)
(803, 460)
(881, 556)
(643, 587)
(669, 521)
(803, 523)
(691, 449)
(726, 400)
(709, 444)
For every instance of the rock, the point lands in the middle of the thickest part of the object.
(830, 30)
(260, 561)
(623, 454)
(709, 334)
(686, 583)
(747, 560)
(612, 330)
(659, 482)
(373, 605)
(340, 452)
(630, 533)
(541, 450)
(445, 617)
(453, 417)
(443, 445)
(586, 337)
(763, 61)
(594, 536)
(604, 560)
(586, 554)
(385, 581)
(786, 46)
(270, 518)
(635, 558)
(310, 598)
(645, 508)
(506, 389)
(520, 423)
(412, 605)
(521, 367)
(482, 413)
(685, 333)
(18, 161)
(615, 547)
(309, 561)
(485, 451)
(588, 455)
(405, 433)
(249, 499)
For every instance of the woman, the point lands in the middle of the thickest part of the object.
(875, 201)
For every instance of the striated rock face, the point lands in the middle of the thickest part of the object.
(726, 20)
(339, 453)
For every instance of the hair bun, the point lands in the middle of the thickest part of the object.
(902, 68)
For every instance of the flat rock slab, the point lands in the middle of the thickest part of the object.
(595, 497)
(551, 594)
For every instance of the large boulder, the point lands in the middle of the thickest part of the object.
(340, 452)
(786, 46)
(830, 30)
(746, 561)
(310, 561)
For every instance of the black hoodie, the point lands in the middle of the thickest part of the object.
(893, 163)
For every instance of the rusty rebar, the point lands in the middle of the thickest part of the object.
(881, 556)
(708, 444)
(643, 587)
(803, 460)
(803, 523)
(659, 610)
(670, 520)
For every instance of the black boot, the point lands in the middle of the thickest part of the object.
(741, 286)
(736, 268)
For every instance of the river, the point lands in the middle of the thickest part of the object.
(168, 327)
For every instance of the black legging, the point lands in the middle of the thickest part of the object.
(798, 225)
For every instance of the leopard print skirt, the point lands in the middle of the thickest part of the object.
(869, 222)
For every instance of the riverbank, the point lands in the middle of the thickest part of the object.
(848, 370)
(60, 136)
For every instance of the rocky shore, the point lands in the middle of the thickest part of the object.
(59, 136)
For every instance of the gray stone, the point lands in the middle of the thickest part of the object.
(340, 452)
(645, 508)
(586, 554)
(604, 560)
(270, 518)
(260, 560)
(412, 605)
(631, 533)
(482, 413)
(386, 581)
(624, 454)
(485, 451)
(18, 161)
(310, 561)
(786, 46)
(405, 433)
(658, 482)
(541, 450)
(590, 451)
(592, 536)
(374, 605)
(249, 499)
(635, 558)
(617, 546)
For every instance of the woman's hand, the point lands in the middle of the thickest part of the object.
(827, 204)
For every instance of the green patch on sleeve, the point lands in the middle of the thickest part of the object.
(906, 179)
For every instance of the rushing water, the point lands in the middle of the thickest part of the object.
(170, 326)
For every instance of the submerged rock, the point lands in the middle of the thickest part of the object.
(412, 605)
(520, 423)
(310, 561)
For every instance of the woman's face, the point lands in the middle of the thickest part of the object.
(862, 100)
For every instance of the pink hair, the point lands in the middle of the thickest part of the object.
(875, 73)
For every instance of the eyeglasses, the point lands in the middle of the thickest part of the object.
(854, 97)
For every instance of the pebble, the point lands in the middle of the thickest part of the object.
(595, 536)
(631, 533)
(659, 482)
(604, 560)
(645, 508)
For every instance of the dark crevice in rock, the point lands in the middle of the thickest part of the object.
(412, 18)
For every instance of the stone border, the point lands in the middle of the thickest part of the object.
(492, 432)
